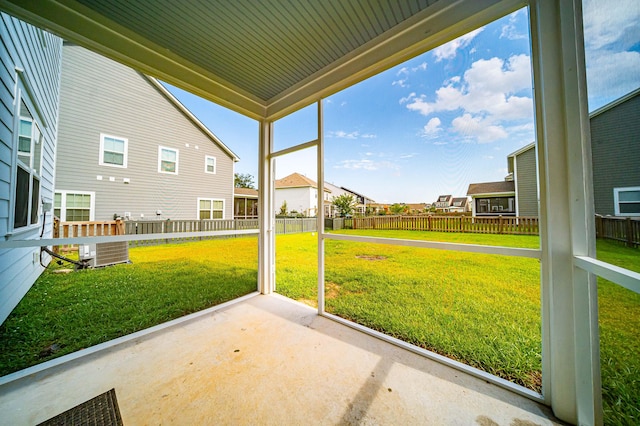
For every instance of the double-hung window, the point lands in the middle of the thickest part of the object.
(74, 206)
(210, 164)
(167, 160)
(113, 151)
(210, 208)
(627, 201)
(28, 169)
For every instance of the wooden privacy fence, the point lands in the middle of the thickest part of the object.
(85, 229)
(482, 225)
(623, 229)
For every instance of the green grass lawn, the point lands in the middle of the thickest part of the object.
(84, 308)
(483, 310)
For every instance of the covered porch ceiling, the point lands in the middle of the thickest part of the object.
(266, 58)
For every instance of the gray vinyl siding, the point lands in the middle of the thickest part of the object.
(102, 96)
(615, 147)
(38, 53)
(527, 183)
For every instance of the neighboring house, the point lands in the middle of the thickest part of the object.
(300, 193)
(443, 203)
(245, 203)
(460, 205)
(615, 147)
(128, 148)
(30, 76)
(362, 202)
(493, 198)
(517, 195)
(417, 208)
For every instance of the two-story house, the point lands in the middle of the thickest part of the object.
(300, 195)
(443, 203)
(30, 75)
(129, 148)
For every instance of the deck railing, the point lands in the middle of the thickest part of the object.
(85, 229)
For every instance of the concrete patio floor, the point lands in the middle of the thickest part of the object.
(266, 360)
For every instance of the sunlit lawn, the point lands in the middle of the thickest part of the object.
(63, 313)
(483, 310)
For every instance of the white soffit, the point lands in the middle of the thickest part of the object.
(262, 58)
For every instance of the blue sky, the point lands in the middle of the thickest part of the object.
(442, 120)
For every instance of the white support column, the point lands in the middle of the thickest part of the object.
(571, 369)
(266, 240)
(320, 159)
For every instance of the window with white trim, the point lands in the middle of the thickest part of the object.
(210, 208)
(167, 160)
(627, 201)
(210, 164)
(74, 206)
(28, 169)
(113, 151)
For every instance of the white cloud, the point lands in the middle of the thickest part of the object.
(341, 134)
(421, 67)
(488, 94)
(613, 69)
(449, 50)
(365, 164)
(477, 127)
(401, 82)
(509, 30)
(432, 127)
(606, 24)
(404, 156)
(408, 97)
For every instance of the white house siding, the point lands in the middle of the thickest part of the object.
(526, 183)
(37, 53)
(302, 199)
(101, 96)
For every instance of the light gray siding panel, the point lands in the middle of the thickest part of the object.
(102, 96)
(615, 147)
(527, 183)
(22, 47)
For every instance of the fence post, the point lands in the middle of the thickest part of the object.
(629, 232)
(499, 224)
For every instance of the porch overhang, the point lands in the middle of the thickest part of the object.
(261, 60)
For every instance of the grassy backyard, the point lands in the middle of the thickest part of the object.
(483, 310)
(63, 313)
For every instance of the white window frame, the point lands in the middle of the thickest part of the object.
(212, 209)
(23, 96)
(206, 164)
(616, 200)
(63, 203)
(160, 148)
(125, 153)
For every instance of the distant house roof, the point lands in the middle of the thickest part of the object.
(246, 192)
(356, 193)
(491, 187)
(444, 198)
(296, 180)
(416, 206)
(523, 149)
(615, 103)
(459, 202)
(190, 116)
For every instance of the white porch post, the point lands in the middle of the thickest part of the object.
(320, 226)
(571, 364)
(266, 239)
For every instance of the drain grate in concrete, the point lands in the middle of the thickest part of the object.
(98, 411)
